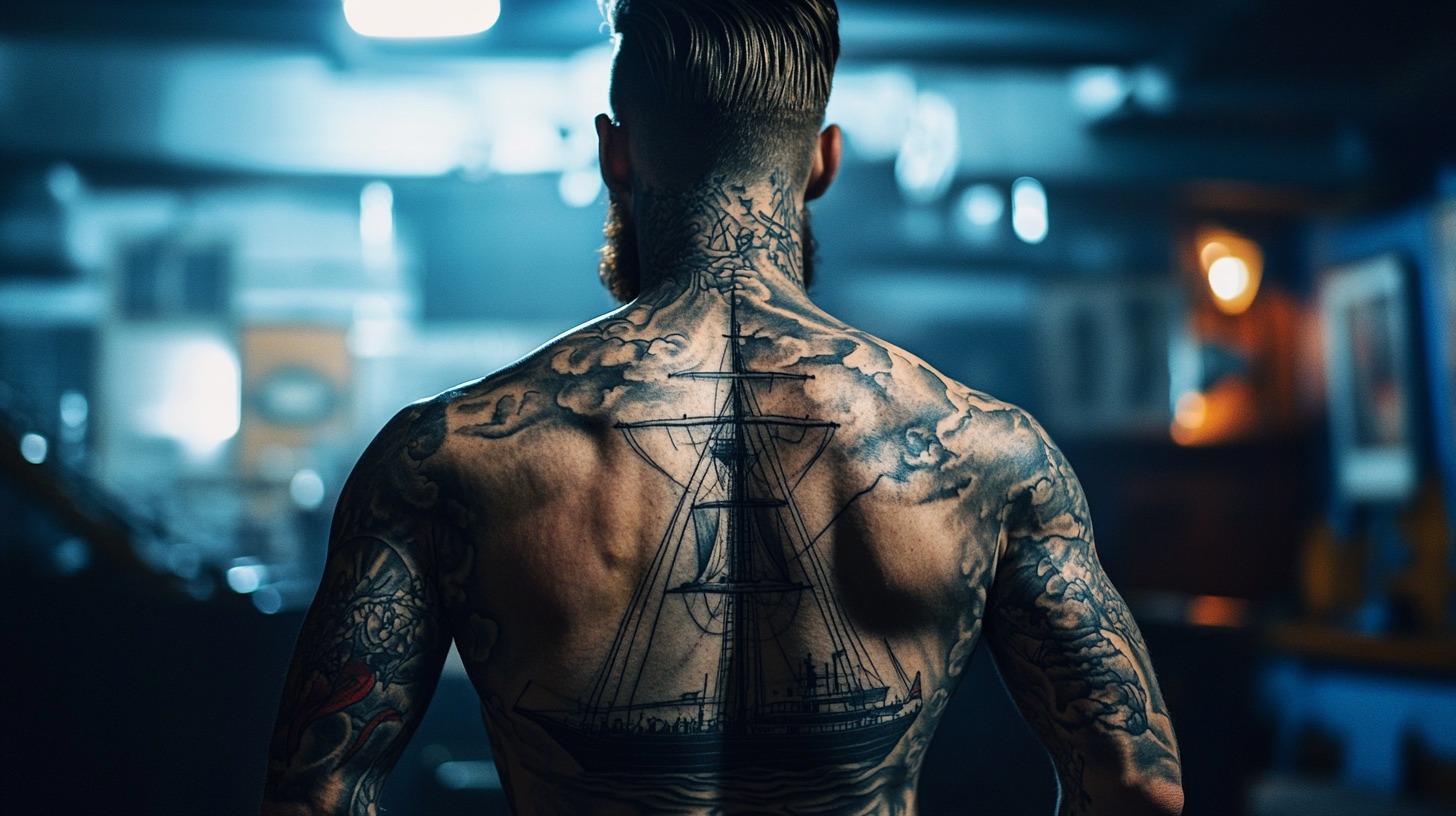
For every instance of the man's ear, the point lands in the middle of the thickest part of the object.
(614, 155)
(826, 162)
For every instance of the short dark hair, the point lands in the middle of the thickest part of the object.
(724, 86)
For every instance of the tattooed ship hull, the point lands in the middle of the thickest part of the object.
(801, 746)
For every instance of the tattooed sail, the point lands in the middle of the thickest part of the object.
(739, 570)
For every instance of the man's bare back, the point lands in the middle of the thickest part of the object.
(715, 552)
(722, 530)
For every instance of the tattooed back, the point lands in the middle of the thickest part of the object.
(721, 548)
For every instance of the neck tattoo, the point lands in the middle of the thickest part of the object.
(720, 230)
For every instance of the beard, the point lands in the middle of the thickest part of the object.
(620, 268)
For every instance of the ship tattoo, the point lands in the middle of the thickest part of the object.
(738, 562)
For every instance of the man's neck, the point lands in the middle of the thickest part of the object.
(720, 234)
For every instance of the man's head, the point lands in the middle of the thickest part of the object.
(723, 87)
(733, 90)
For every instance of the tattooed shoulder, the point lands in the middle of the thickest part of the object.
(401, 478)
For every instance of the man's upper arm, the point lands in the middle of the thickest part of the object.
(371, 647)
(1071, 655)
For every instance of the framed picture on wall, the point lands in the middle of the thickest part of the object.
(1368, 363)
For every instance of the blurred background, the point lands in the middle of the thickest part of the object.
(1211, 244)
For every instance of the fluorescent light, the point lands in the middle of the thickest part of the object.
(1029, 210)
(403, 19)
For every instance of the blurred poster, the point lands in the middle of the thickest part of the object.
(1380, 409)
(1369, 365)
(296, 384)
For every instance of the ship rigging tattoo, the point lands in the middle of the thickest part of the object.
(734, 569)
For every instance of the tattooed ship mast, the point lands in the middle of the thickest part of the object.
(756, 569)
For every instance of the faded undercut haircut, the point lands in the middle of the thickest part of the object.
(732, 87)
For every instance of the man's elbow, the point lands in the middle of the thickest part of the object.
(1137, 794)
(1163, 797)
(1150, 795)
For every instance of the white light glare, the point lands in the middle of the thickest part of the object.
(377, 217)
(198, 398)
(34, 448)
(246, 578)
(405, 19)
(1228, 277)
(1029, 210)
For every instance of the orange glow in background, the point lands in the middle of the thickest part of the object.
(1233, 266)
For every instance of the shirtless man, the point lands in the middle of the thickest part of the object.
(716, 551)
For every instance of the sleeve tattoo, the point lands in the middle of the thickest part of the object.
(1070, 653)
(371, 647)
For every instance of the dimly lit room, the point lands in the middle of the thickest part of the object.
(1210, 246)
